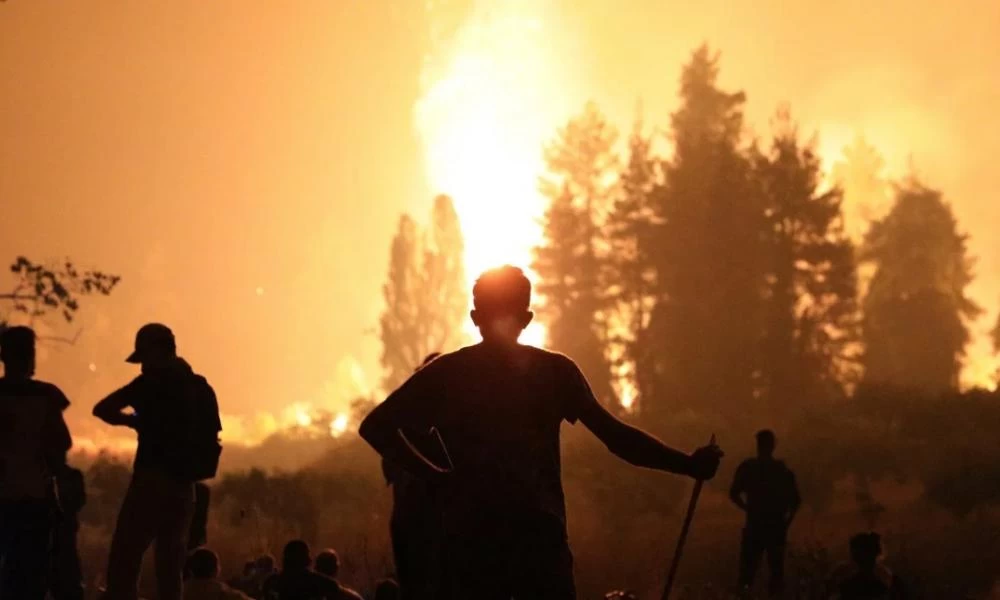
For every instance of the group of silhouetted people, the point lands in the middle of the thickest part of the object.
(301, 577)
(470, 445)
(176, 416)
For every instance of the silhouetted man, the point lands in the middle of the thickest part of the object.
(176, 415)
(297, 580)
(765, 489)
(34, 441)
(498, 406)
(415, 522)
(328, 563)
(869, 579)
(204, 584)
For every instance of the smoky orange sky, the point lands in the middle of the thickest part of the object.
(242, 164)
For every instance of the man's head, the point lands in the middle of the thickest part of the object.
(17, 351)
(264, 564)
(328, 563)
(296, 556)
(766, 443)
(154, 347)
(865, 549)
(203, 564)
(500, 300)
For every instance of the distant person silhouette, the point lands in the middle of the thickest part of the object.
(766, 490)
(328, 563)
(66, 579)
(415, 521)
(868, 578)
(176, 415)
(204, 584)
(255, 575)
(298, 581)
(498, 406)
(387, 589)
(34, 441)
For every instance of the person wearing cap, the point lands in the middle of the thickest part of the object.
(169, 406)
(498, 406)
(34, 441)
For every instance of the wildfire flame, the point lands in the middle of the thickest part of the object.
(490, 101)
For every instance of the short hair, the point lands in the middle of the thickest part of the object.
(203, 564)
(16, 342)
(327, 562)
(503, 290)
(296, 555)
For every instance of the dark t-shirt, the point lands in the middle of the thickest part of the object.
(770, 488)
(498, 410)
(172, 406)
(306, 585)
(33, 435)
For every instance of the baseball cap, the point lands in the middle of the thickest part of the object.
(152, 338)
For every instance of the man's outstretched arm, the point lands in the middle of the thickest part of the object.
(639, 448)
(111, 409)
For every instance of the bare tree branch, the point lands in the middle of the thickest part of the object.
(60, 339)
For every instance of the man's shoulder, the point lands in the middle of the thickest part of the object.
(557, 361)
(347, 593)
(784, 468)
(34, 388)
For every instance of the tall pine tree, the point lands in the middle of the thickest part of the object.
(629, 275)
(425, 294)
(579, 183)
(916, 310)
(698, 351)
(810, 331)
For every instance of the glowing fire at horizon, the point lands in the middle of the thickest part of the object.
(487, 109)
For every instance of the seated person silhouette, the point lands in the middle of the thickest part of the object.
(868, 578)
(298, 581)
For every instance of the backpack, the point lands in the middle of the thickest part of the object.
(198, 454)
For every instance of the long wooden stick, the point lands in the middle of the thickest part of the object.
(676, 562)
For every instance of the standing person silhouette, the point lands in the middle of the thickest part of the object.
(766, 490)
(499, 406)
(176, 415)
(415, 522)
(34, 441)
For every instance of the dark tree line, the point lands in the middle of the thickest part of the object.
(721, 275)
